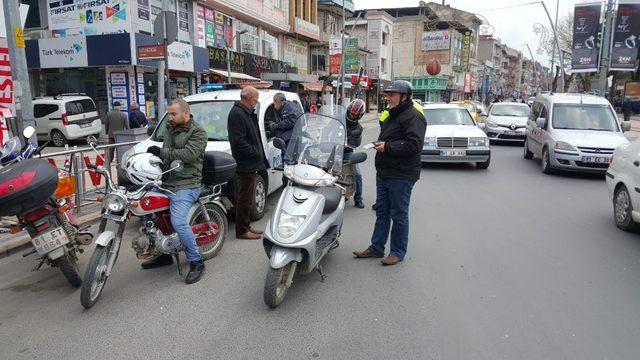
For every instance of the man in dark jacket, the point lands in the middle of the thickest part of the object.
(184, 140)
(287, 114)
(248, 151)
(137, 119)
(398, 167)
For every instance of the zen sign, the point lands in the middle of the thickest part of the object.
(151, 52)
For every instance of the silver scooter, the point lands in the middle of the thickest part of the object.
(307, 222)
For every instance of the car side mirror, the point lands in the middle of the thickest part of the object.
(481, 125)
(541, 123)
(626, 126)
(151, 129)
(28, 132)
(357, 158)
(279, 143)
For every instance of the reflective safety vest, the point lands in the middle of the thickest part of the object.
(416, 105)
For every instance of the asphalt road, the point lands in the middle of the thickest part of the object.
(506, 263)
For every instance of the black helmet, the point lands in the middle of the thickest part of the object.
(401, 87)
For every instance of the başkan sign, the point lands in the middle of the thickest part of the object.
(586, 21)
(624, 51)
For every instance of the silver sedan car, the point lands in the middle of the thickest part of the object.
(507, 122)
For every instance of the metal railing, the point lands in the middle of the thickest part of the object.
(78, 169)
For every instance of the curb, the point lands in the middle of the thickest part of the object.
(23, 242)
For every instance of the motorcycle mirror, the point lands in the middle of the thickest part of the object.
(357, 157)
(92, 141)
(28, 132)
(177, 165)
(279, 143)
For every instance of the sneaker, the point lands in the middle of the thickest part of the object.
(196, 269)
(359, 205)
(160, 261)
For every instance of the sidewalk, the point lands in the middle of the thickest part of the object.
(635, 128)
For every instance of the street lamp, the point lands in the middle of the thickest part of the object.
(228, 46)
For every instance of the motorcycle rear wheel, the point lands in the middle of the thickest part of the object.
(69, 269)
(275, 285)
(94, 277)
(218, 216)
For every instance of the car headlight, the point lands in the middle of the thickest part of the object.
(564, 146)
(490, 123)
(288, 224)
(115, 203)
(430, 141)
(478, 141)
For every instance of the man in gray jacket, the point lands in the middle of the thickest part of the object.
(116, 121)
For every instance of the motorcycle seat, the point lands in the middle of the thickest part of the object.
(332, 197)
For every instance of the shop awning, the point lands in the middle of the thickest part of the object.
(315, 86)
(234, 75)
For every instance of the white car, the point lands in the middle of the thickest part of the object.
(66, 117)
(453, 136)
(623, 181)
(211, 110)
(573, 132)
(507, 122)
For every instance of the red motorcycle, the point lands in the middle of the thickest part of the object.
(37, 194)
(208, 219)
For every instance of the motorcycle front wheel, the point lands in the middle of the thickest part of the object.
(95, 276)
(69, 269)
(275, 285)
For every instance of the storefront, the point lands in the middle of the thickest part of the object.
(77, 64)
(428, 88)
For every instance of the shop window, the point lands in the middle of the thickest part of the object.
(269, 45)
(248, 42)
(383, 65)
(318, 62)
(42, 110)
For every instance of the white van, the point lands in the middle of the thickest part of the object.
(66, 117)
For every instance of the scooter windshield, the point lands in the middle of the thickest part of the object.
(319, 140)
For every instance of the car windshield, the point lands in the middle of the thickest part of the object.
(511, 110)
(584, 117)
(448, 117)
(211, 115)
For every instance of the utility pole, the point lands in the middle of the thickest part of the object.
(344, 55)
(555, 36)
(20, 74)
(605, 59)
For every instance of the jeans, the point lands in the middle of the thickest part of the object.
(392, 203)
(179, 207)
(357, 197)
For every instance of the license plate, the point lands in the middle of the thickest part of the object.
(50, 240)
(596, 159)
(512, 133)
(82, 126)
(453, 153)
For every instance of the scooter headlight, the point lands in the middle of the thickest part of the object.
(289, 224)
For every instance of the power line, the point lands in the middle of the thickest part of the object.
(511, 6)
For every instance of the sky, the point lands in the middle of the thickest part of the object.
(513, 25)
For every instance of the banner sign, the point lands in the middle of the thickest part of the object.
(151, 52)
(6, 82)
(466, 51)
(89, 17)
(351, 56)
(296, 53)
(624, 51)
(62, 53)
(436, 40)
(586, 23)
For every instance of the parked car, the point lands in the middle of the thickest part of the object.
(469, 105)
(573, 132)
(211, 109)
(623, 182)
(507, 122)
(66, 117)
(453, 137)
